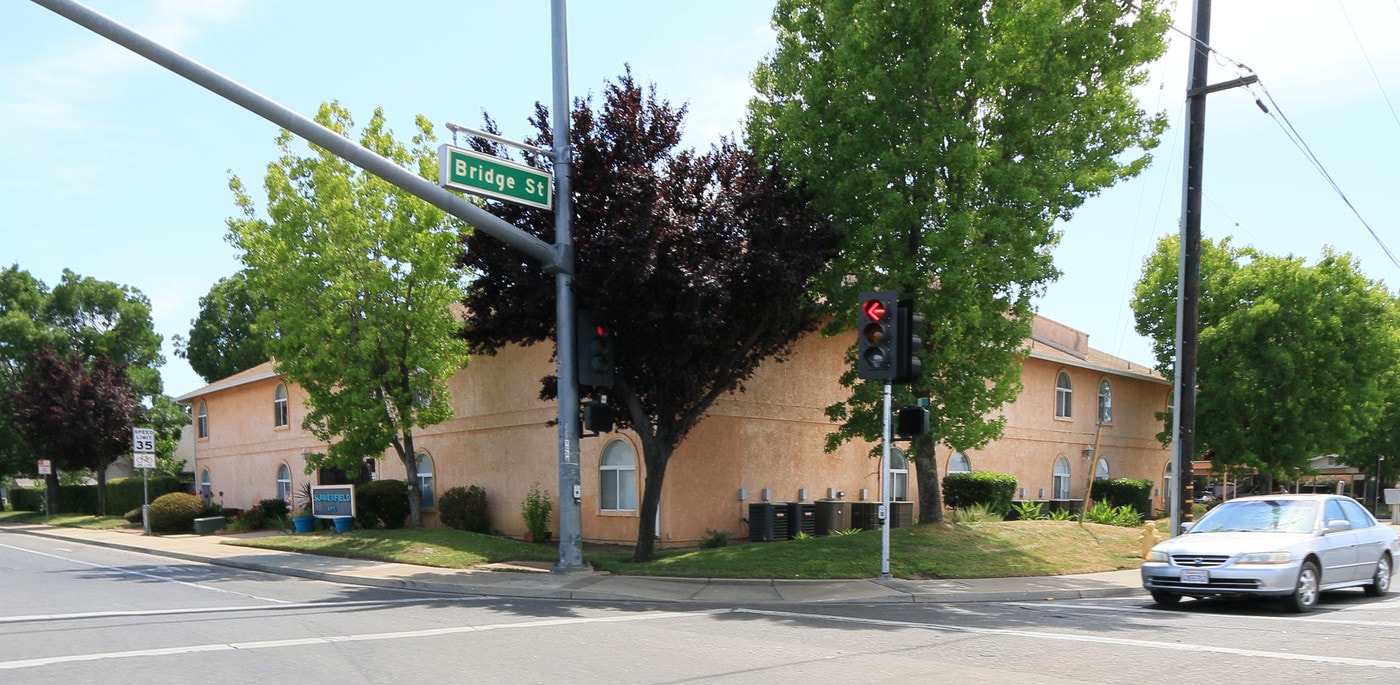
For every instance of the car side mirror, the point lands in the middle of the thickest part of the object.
(1186, 527)
(1338, 525)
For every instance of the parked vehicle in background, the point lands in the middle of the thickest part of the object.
(1289, 546)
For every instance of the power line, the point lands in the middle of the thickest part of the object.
(1297, 139)
(1365, 55)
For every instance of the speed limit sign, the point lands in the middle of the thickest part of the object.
(143, 440)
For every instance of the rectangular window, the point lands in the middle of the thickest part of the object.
(619, 490)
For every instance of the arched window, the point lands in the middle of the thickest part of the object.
(279, 406)
(1064, 396)
(1059, 483)
(1167, 482)
(899, 476)
(284, 483)
(1105, 402)
(1101, 470)
(617, 478)
(202, 421)
(425, 479)
(959, 463)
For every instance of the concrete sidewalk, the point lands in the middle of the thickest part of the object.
(528, 582)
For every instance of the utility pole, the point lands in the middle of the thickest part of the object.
(1188, 303)
(570, 485)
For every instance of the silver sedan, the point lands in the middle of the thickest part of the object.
(1288, 546)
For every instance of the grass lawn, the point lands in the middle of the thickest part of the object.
(975, 550)
(69, 520)
(978, 550)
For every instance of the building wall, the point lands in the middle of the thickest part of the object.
(770, 436)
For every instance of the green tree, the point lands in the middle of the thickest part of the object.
(79, 315)
(361, 277)
(1293, 360)
(700, 264)
(946, 139)
(169, 420)
(223, 338)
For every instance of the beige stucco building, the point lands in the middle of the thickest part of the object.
(765, 441)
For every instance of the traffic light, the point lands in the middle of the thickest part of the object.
(879, 331)
(598, 417)
(907, 365)
(594, 341)
(911, 422)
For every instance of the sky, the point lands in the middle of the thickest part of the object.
(118, 170)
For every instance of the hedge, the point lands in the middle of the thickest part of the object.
(1118, 492)
(465, 509)
(381, 501)
(994, 490)
(123, 495)
(27, 499)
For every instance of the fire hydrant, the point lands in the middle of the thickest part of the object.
(1149, 538)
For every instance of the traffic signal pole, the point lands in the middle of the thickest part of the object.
(885, 486)
(570, 485)
(557, 258)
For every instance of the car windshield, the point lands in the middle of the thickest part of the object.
(1278, 516)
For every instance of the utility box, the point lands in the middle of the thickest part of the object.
(901, 514)
(768, 521)
(210, 525)
(833, 516)
(802, 518)
(865, 515)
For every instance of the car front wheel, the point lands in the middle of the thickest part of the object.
(1380, 583)
(1165, 599)
(1305, 592)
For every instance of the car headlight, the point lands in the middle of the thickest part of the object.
(1265, 558)
(1157, 556)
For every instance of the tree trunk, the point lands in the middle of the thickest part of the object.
(408, 455)
(102, 489)
(51, 492)
(926, 470)
(656, 453)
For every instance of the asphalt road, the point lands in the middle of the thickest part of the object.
(71, 613)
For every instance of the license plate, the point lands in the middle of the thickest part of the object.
(1195, 577)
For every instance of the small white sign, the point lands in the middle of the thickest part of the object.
(143, 440)
(45, 467)
(143, 461)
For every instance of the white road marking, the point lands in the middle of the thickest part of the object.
(84, 615)
(1216, 617)
(335, 639)
(142, 574)
(1062, 637)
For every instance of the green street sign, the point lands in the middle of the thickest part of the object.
(479, 174)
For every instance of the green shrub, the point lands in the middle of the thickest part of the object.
(1113, 516)
(1124, 492)
(714, 539)
(961, 490)
(175, 512)
(976, 513)
(535, 512)
(1027, 510)
(273, 508)
(124, 494)
(27, 499)
(381, 502)
(465, 509)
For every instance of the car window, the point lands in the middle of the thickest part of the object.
(1290, 516)
(1334, 511)
(1358, 516)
